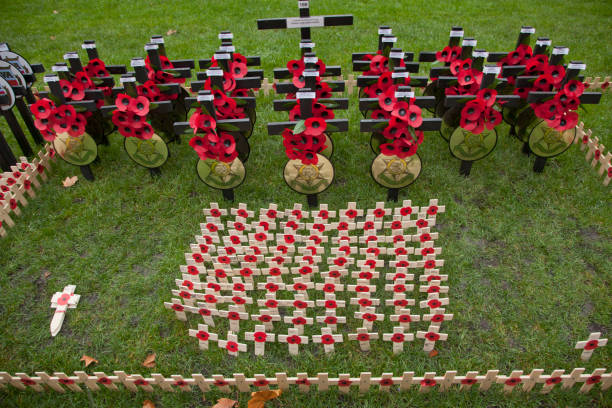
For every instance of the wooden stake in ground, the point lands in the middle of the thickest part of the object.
(62, 301)
(591, 344)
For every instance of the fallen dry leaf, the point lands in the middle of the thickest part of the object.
(46, 275)
(225, 403)
(149, 361)
(52, 37)
(148, 404)
(433, 353)
(259, 398)
(55, 11)
(69, 181)
(170, 32)
(88, 360)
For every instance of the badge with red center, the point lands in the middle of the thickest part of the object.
(62, 301)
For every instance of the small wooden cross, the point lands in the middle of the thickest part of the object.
(231, 344)
(234, 316)
(588, 346)
(404, 318)
(215, 211)
(266, 317)
(242, 211)
(398, 337)
(431, 336)
(331, 320)
(260, 337)
(363, 337)
(327, 339)
(203, 336)
(323, 212)
(62, 301)
(369, 316)
(179, 309)
(298, 320)
(330, 302)
(207, 311)
(437, 316)
(293, 340)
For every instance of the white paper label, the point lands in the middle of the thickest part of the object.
(157, 40)
(70, 55)
(311, 60)
(205, 98)
(491, 69)
(469, 43)
(480, 54)
(59, 68)
(307, 45)
(543, 43)
(404, 94)
(560, 51)
(389, 39)
(399, 75)
(226, 36)
(573, 65)
(127, 79)
(396, 54)
(88, 46)
(50, 78)
(151, 47)
(456, 33)
(306, 95)
(310, 73)
(527, 30)
(227, 48)
(137, 62)
(4, 47)
(222, 56)
(303, 4)
(304, 22)
(385, 31)
(214, 72)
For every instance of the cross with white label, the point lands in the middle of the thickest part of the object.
(398, 337)
(260, 337)
(369, 316)
(363, 337)
(234, 316)
(404, 318)
(431, 336)
(588, 346)
(293, 339)
(266, 317)
(203, 336)
(231, 344)
(327, 339)
(62, 301)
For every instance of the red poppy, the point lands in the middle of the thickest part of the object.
(340, 261)
(278, 259)
(594, 379)
(370, 317)
(428, 382)
(362, 288)
(294, 339)
(398, 238)
(302, 381)
(400, 251)
(399, 288)
(210, 298)
(331, 320)
(434, 303)
(141, 382)
(204, 312)
(260, 337)
(214, 286)
(385, 382)
(334, 274)
(425, 237)
(327, 339)
(387, 100)
(261, 383)
(344, 382)
(364, 302)
(296, 67)
(448, 54)
(192, 270)
(185, 294)
(289, 239)
(177, 307)
(298, 321)
(513, 381)
(66, 381)
(437, 318)
(104, 380)
(42, 108)
(430, 264)
(275, 272)
(573, 88)
(198, 258)
(220, 383)
(238, 300)
(553, 380)
(231, 346)
(242, 213)
(220, 273)
(433, 277)
(331, 304)
(265, 318)
(299, 286)
(202, 335)
(591, 345)
(315, 126)
(300, 304)
(371, 263)
(373, 251)
(239, 287)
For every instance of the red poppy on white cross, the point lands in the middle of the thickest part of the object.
(399, 286)
(288, 237)
(330, 286)
(298, 320)
(236, 239)
(331, 320)
(234, 316)
(311, 250)
(272, 284)
(366, 274)
(433, 208)
(299, 302)
(431, 336)
(370, 225)
(260, 337)
(423, 235)
(592, 145)
(399, 301)
(362, 286)
(398, 224)
(364, 300)
(397, 236)
(401, 249)
(344, 225)
(318, 226)
(437, 316)
(371, 236)
(427, 248)
(335, 273)
(311, 260)
(342, 240)
(297, 212)
(293, 340)
(189, 297)
(379, 211)
(370, 264)
(363, 337)
(277, 258)
(328, 339)
(62, 301)
(177, 306)
(203, 336)
(588, 346)
(341, 261)
(270, 302)
(197, 258)
(398, 338)
(428, 382)
(373, 250)
(433, 287)
(323, 212)
(211, 297)
(206, 310)
(190, 282)
(215, 211)
(239, 300)
(267, 317)
(404, 318)
(238, 285)
(242, 211)
(401, 263)
(274, 271)
(271, 212)
(293, 224)
(400, 273)
(430, 262)
(511, 381)
(369, 316)
(433, 301)
(598, 376)
(344, 250)
(330, 302)
(351, 211)
(219, 273)
(430, 275)
(231, 344)
(300, 286)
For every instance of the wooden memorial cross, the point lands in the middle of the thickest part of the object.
(270, 302)
(231, 344)
(331, 320)
(364, 300)
(206, 310)
(242, 212)
(363, 337)
(266, 317)
(234, 315)
(399, 301)
(305, 21)
(431, 336)
(239, 300)
(329, 302)
(588, 346)
(203, 336)
(301, 286)
(293, 340)
(433, 287)
(298, 320)
(62, 301)
(369, 316)
(177, 306)
(328, 339)
(260, 337)
(399, 287)
(398, 337)
(215, 211)
(437, 316)
(404, 318)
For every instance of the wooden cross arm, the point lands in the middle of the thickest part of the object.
(183, 63)
(38, 68)
(206, 63)
(330, 71)
(288, 87)
(328, 21)
(378, 125)
(427, 56)
(228, 125)
(359, 56)
(420, 101)
(333, 125)
(436, 72)
(415, 81)
(242, 102)
(281, 105)
(585, 98)
(496, 56)
(365, 66)
(116, 69)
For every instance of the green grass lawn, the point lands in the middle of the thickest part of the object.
(528, 255)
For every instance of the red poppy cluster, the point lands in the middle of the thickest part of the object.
(520, 56)
(448, 54)
(480, 112)
(318, 111)
(383, 85)
(405, 117)
(221, 147)
(304, 146)
(160, 76)
(558, 111)
(237, 69)
(297, 67)
(130, 116)
(468, 78)
(51, 120)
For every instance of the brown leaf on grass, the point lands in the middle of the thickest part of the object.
(69, 181)
(259, 398)
(88, 360)
(149, 361)
(225, 403)
(148, 404)
(52, 37)
(433, 353)
(55, 11)
(170, 32)
(46, 275)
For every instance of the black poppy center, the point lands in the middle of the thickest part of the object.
(64, 89)
(413, 116)
(207, 123)
(470, 111)
(563, 122)
(468, 78)
(444, 53)
(227, 143)
(309, 155)
(388, 101)
(402, 112)
(315, 125)
(125, 101)
(75, 127)
(41, 109)
(572, 87)
(378, 91)
(140, 106)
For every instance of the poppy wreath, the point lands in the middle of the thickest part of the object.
(520, 56)
(558, 112)
(51, 120)
(296, 68)
(403, 138)
(130, 116)
(384, 85)
(225, 106)
(480, 112)
(448, 54)
(160, 76)
(211, 145)
(237, 69)
(306, 140)
(468, 78)
(95, 68)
